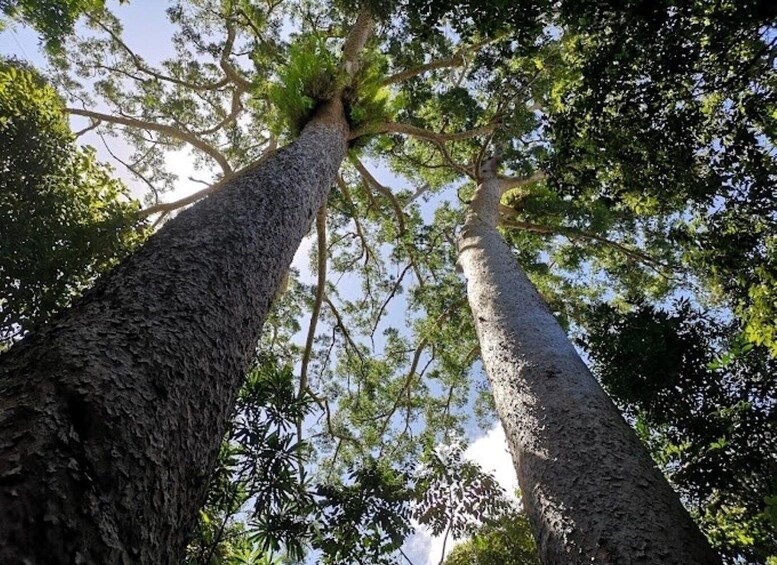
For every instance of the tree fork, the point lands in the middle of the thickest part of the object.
(591, 491)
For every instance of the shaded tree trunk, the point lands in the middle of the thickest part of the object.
(591, 491)
(111, 419)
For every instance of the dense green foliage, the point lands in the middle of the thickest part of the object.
(65, 219)
(664, 126)
(312, 76)
(259, 465)
(703, 400)
(507, 541)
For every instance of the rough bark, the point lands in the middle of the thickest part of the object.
(590, 489)
(110, 420)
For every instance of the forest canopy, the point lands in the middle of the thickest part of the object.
(632, 150)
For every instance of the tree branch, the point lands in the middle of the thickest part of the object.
(141, 66)
(166, 207)
(576, 233)
(408, 382)
(131, 168)
(357, 38)
(94, 124)
(373, 182)
(230, 71)
(342, 327)
(414, 365)
(454, 61)
(449, 159)
(171, 131)
(324, 405)
(320, 289)
(509, 183)
(389, 297)
(420, 191)
(398, 212)
(366, 251)
(235, 108)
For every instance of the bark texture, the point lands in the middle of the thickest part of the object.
(590, 489)
(110, 420)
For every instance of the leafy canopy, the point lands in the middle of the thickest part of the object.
(645, 188)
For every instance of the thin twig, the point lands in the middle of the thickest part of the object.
(414, 365)
(130, 168)
(389, 297)
(344, 190)
(320, 289)
(373, 182)
(140, 65)
(343, 328)
(94, 124)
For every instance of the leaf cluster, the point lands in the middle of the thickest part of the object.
(259, 474)
(312, 76)
(455, 495)
(506, 541)
(365, 519)
(65, 219)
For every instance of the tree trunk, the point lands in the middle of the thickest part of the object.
(591, 491)
(111, 419)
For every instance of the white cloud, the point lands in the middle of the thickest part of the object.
(492, 454)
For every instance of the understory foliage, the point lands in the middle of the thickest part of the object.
(645, 132)
(262, 505)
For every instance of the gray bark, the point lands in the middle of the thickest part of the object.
(592, 493)
(110, 420)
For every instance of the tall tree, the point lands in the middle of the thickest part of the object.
(604, 163)
(590, 488)
(117, 410)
